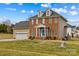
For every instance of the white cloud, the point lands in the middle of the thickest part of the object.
(73, 7)
(63, 10)
(3, 18)
(20, 3)
(46, 5)
(65, 6)
(23, 11)
(35, 3)
(73, 22)
(27, 11)
(31, 11)
(60, 10)
(11, 9)
(56, 10)
(73, 13)
(7, 3)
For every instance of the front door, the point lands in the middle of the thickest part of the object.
(42, 32)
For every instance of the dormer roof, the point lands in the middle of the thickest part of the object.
(53, 14)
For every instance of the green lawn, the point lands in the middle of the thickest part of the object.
(39, 48)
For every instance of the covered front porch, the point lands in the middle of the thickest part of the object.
(42, 32)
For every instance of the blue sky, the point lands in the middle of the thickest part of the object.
(18, 11)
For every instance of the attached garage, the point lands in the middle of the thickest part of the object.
(22, 35)
(21, 30)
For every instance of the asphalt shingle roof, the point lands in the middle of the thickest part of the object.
(77, 28)
(53, 14)
(22, 25)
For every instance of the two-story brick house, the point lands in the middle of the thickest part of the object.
(47, 24)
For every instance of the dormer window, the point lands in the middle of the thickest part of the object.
(48, 12)
(40, 13)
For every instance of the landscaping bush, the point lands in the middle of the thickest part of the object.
(54, 38)
(49, 38)
(31, 37)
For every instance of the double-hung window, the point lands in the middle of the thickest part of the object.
(32, 21)
(36, 21)
(43, 21)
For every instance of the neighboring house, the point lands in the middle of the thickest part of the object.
(7, 22)
(47, 24)
(21, 30)
(71, 30)
(77, 32)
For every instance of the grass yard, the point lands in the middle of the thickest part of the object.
(6, 36)
(39, 48)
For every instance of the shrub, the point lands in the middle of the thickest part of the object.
(54, 37)
(31, 37)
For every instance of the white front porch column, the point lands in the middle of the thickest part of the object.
(45, 31)
(36, 32)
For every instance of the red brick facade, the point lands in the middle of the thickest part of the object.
(47, 24)
(52, 27)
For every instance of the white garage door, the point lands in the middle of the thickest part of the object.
(21, 35)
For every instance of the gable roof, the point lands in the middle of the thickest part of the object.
(71, 26)
(77, 28)
(54, 14)
(22, 25)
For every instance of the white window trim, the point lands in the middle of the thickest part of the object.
(43, 21)
(48, 14)
(32, 21)
(39, 14)
(36, 21)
